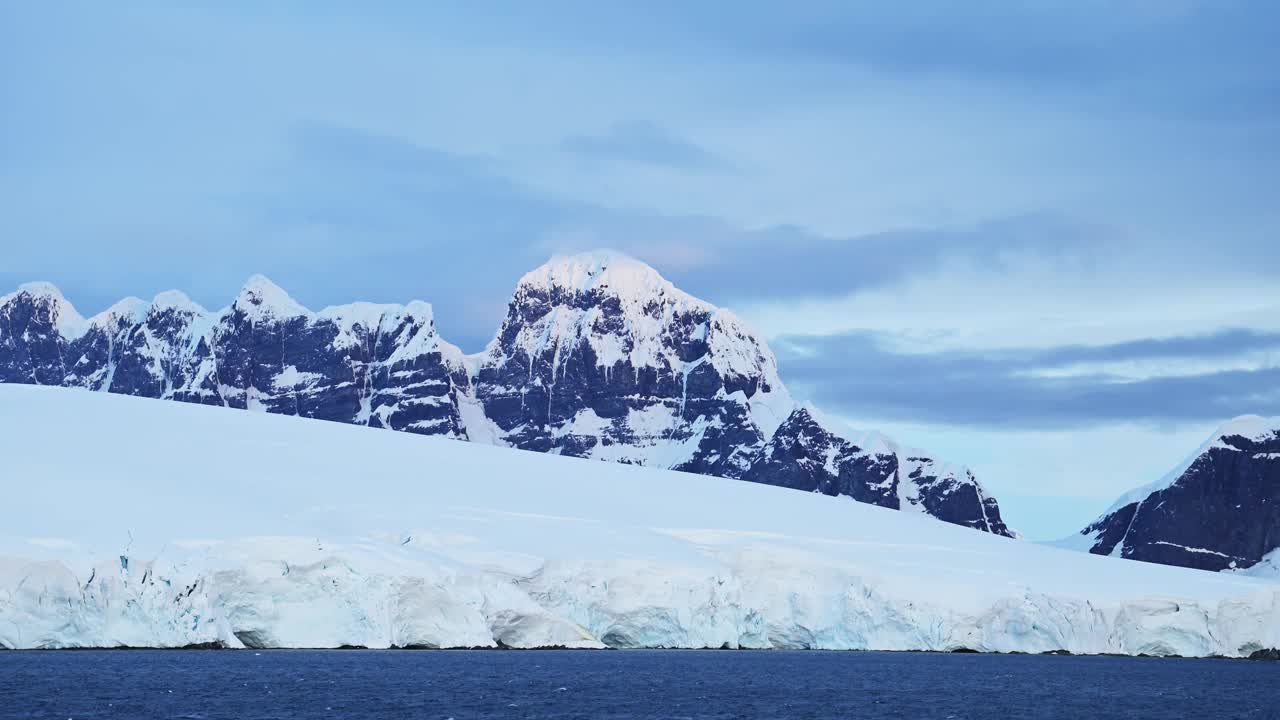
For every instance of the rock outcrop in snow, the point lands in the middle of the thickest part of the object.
(169, 524)
(813, 453)
(598, 357)
(1219, 510)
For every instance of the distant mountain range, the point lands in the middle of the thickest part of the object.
(1218, 510)
(598, 357)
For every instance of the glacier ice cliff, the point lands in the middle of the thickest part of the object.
(303, 593)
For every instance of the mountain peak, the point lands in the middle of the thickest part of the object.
(176, 300)
(610, 270)
(130, 309)
(600, 257)
(261, 296)
(869, 441)
(70, 323)
(41, 288)
(1252, 427)
(558, 304)
(1209, 511)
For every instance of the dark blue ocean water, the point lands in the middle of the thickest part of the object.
(243, 685)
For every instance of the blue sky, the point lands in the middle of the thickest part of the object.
(1038, 238)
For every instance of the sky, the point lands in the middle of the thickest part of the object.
(1041, 239)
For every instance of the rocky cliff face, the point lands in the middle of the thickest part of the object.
(1220, 510)
(812, 453)
(379, 365)
(36, 326)
(598, 357)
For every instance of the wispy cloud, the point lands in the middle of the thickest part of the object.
(645, 143)
(857, 375)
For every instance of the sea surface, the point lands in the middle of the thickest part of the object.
(246, 684)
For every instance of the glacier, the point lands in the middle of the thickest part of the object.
(143, 524)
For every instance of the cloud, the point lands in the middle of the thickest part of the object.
(346, 212)
(1224, 344)
(855, 374)
(645, 144)
(457, 229)
(1167, 51)
(354, 204)
(387, 177)
(789, 263)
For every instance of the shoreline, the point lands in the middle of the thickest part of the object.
(1263, 655)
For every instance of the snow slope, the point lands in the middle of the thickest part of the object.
(138, 523)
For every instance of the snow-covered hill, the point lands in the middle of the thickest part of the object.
(598, 357)
(1218, 510)
(130, 522)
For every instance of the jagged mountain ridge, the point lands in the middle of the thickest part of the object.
(598, 357)
(378, 365)
(1218, 510)
(812, 452)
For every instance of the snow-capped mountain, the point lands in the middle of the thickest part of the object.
(598, 357)
(269, 531)
(379, 365)
(1218, 510)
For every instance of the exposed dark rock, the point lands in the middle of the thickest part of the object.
(378, 365)
(600, 357)
(212, 645)
(1222, 511)
(806, 453)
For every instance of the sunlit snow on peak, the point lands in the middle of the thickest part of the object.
(262, 296)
